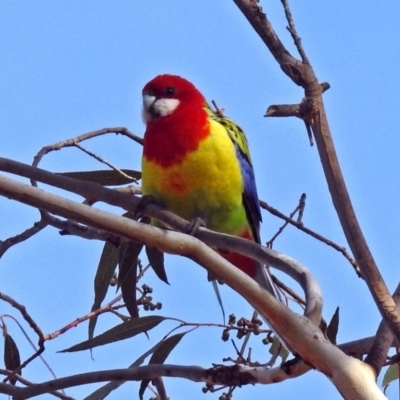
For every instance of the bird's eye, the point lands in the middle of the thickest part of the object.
(169, 90)
(149, 92)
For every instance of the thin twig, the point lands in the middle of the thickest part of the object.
(26, 234)
(102, 160)
(289, 291)
(299, 208)
(294, 68)
(315, 235)
(25, 315)
(38, 226)
(293, 32)
(81, 138)
(32, 324)
(218, 111)
(79, 320)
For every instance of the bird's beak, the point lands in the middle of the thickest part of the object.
(155, 107)
(148, 108)
(148, 101)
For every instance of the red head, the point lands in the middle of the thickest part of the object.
(167, 94)
(173, 110)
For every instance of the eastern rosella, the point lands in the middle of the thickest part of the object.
(197, 164)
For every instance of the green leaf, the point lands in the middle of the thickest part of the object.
(109, 259)
(277, 346)
(160, 355)
(105, 270)
(156, 260)
(219, 298)
(333, 327)
(11, 355)
(127, 277)
(391, 374)
(120, 332)
(105, 177)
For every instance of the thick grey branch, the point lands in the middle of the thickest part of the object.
(96, 192)
(302, 335)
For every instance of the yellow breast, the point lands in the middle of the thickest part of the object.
(207, 184)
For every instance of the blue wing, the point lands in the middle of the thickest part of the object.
(250, 196)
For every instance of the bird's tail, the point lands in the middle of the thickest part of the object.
(263, 277)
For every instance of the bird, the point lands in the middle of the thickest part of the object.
(196, 163)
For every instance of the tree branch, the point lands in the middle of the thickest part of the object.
(21, 237)
(383, 340)
(315, 235)
(303, 75)
(219, 375)
(300, 333)
(288, 370)
(96, 192)
(295, 69)
(38, 198)
(89, 135)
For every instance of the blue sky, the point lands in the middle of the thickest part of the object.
(71, 67)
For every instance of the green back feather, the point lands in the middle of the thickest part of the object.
(234, 131)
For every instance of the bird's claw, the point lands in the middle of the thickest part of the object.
(194, 225)
(144, 201)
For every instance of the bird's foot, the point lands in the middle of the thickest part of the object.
(194, 225)
(144, 201)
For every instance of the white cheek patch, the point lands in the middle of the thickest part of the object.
(164, 107)
(156, 108)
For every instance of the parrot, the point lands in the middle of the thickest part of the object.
(196, 163)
